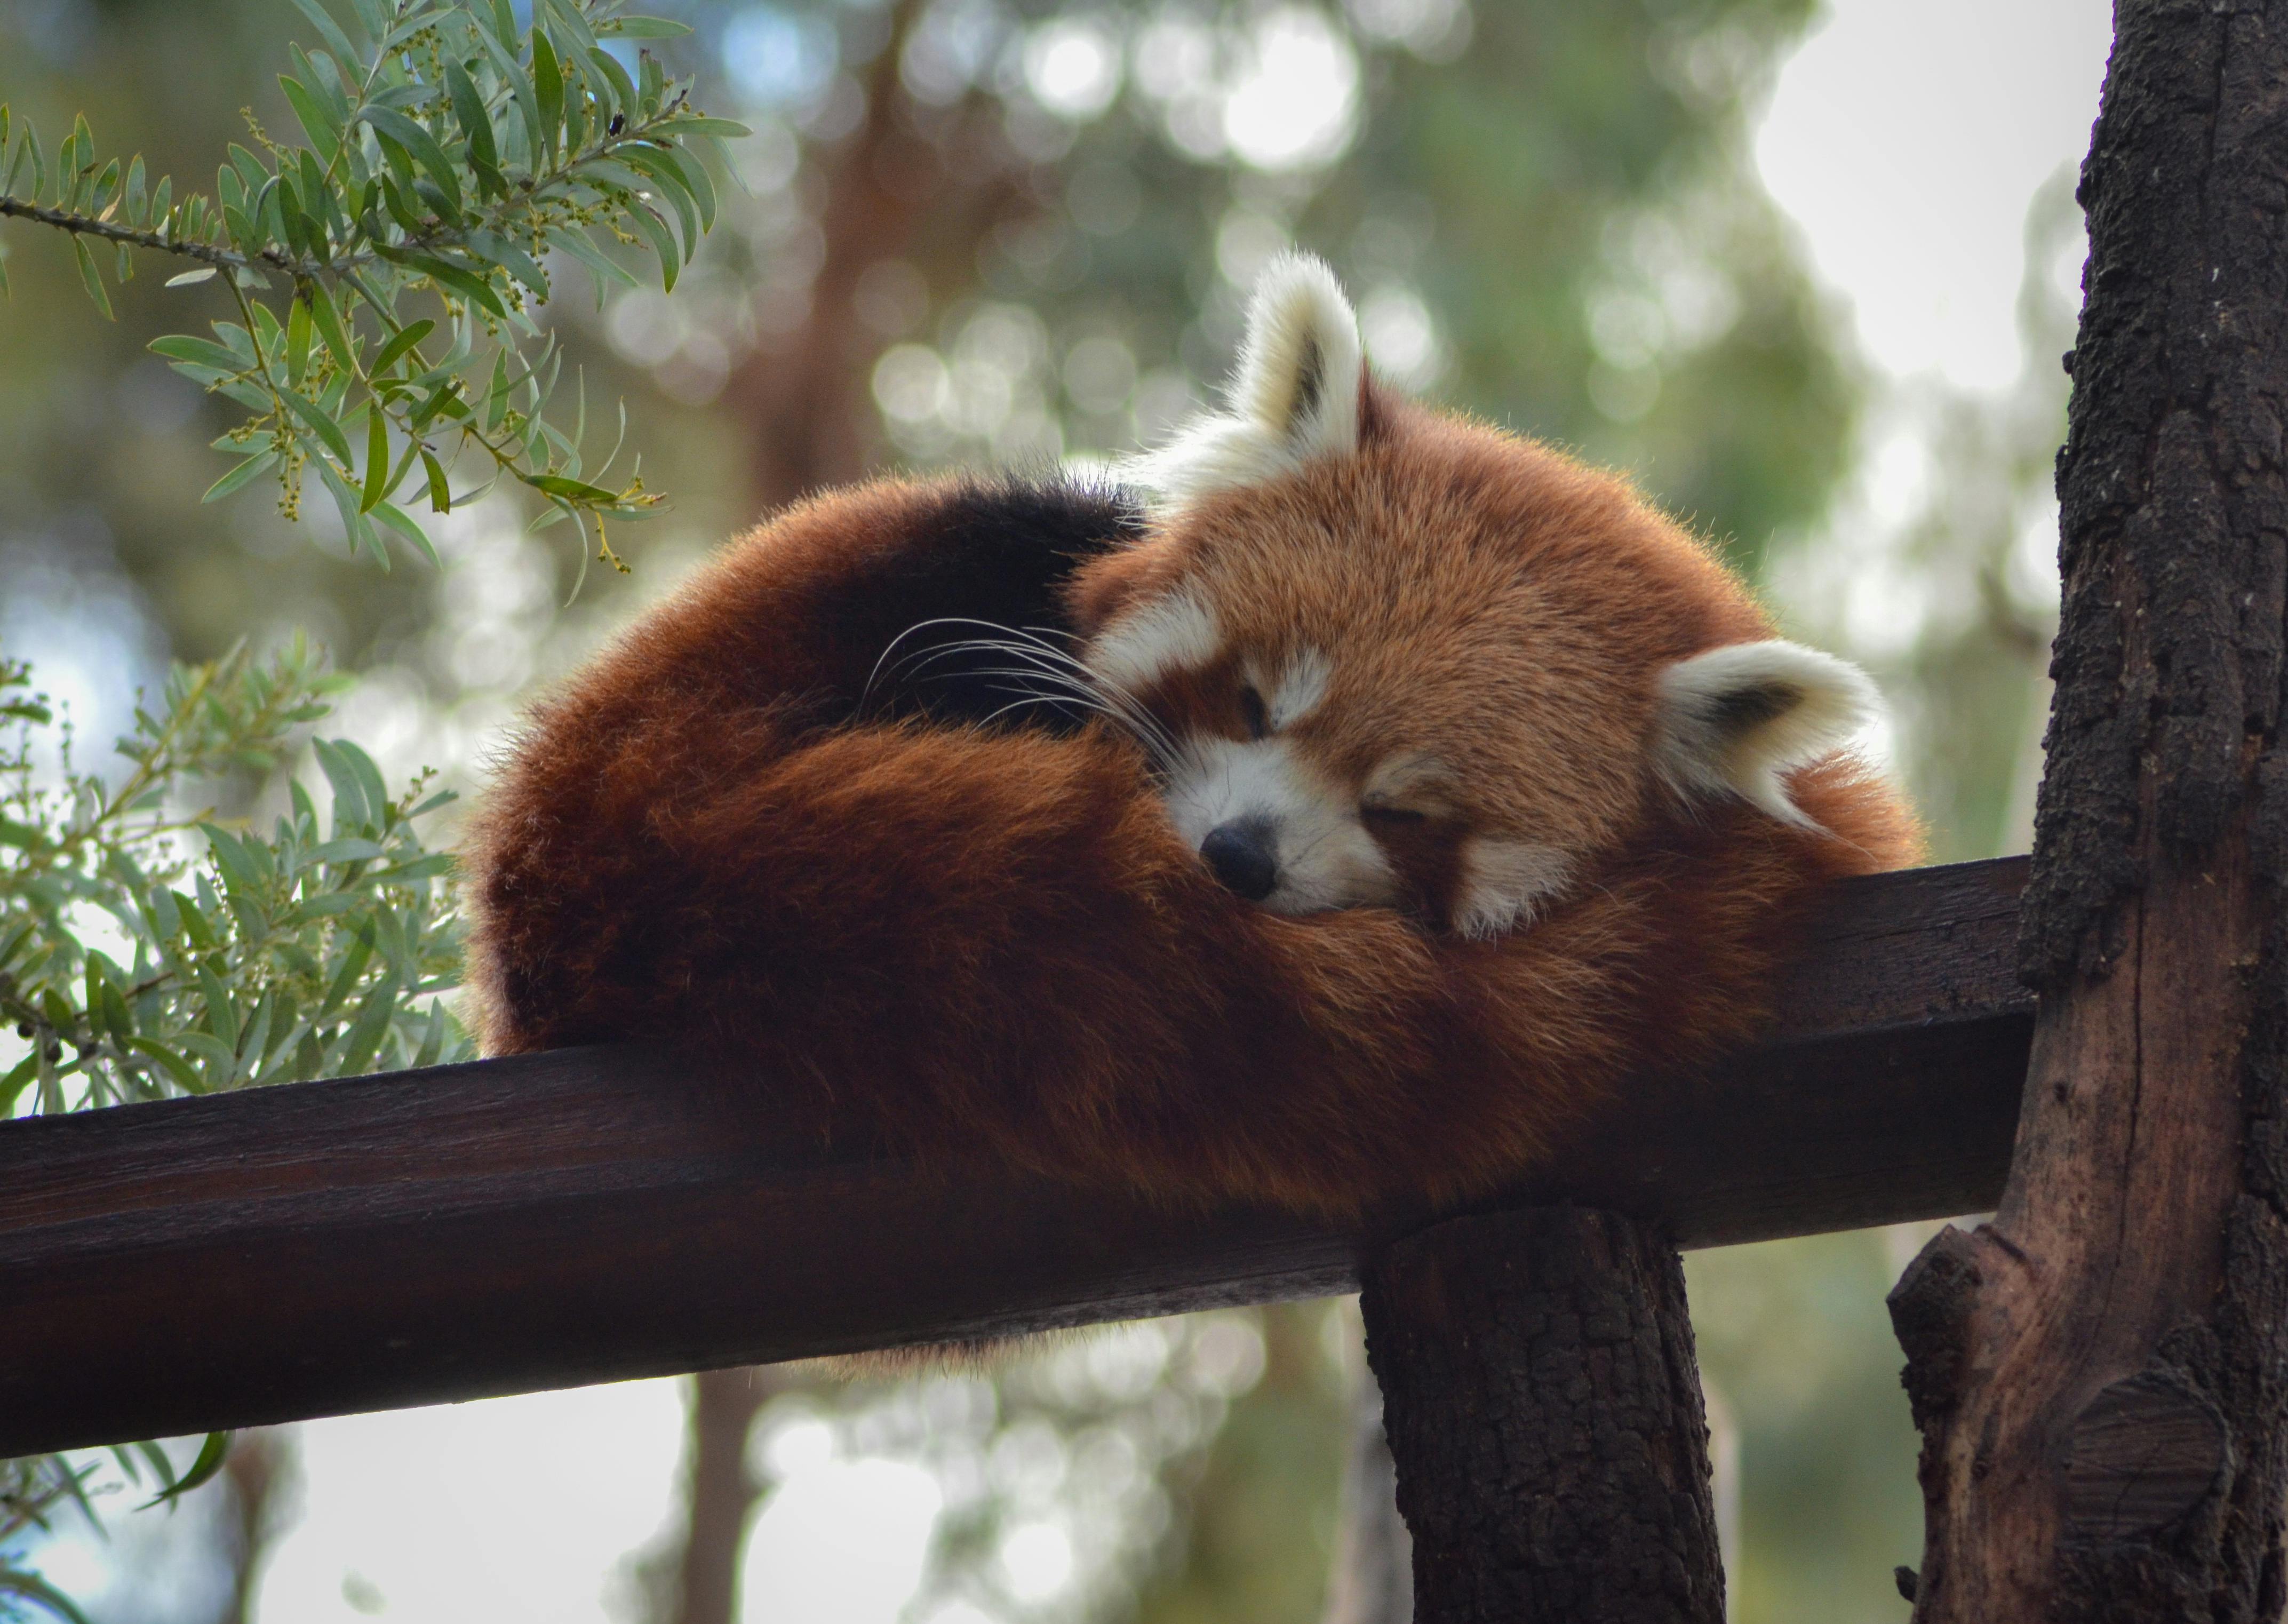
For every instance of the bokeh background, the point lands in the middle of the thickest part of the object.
(1805, 270)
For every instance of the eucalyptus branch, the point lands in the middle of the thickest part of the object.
(446, 161)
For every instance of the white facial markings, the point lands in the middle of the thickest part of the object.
(1505, 883)
(1326, 858)
(1301, 684)
(1170, 634)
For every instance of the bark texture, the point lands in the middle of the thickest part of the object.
(2099, 1374)
(1543, 1406)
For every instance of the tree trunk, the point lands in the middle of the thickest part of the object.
(2098, 1374)
(721, 1492)
(1543, 1406)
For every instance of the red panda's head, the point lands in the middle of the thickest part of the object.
(1384, 656)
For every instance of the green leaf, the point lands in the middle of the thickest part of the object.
(204, 273)
(245, 473)
(322, 425)
(89, 279)
(496, 392)
(15, 1582)
(643, 27)
(570, 489)
(441, 496)
(330, 326)
(365, 1034)
(548, 88)
(667, 180)
(404, 340)
(185, 1076)
(351, 812)
(377, 459)
(476, 125)
(574, 241)
(210, 1457)
(663, 243)
(397, 519)
(512, 259)
(198, 352)
(324, 139)
(337, 42)
(421, 145)
(297, 341)
(699, 125)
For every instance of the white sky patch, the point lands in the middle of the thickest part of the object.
(1907, 139)
(840, 1542)
(1072, 65)
(1296, 105)
(519, 1509)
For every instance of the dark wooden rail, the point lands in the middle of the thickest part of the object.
(594, 1214)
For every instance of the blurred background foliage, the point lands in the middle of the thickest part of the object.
(1019, 231)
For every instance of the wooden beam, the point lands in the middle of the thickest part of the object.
(590, 1215)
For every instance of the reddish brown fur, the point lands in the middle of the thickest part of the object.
(991, 947)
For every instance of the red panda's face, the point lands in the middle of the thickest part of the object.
(1383, 657)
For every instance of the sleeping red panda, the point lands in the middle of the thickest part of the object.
(1330, 813)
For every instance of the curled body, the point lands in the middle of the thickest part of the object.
(1330, 814)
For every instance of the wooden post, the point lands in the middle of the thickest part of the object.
(1543, 1406)
(2100, 1375)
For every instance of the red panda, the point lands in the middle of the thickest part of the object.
(1328, 814)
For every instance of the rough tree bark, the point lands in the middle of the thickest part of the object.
(2098, 1374)
(1543, 1406)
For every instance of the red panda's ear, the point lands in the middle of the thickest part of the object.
(1737, 720)
(1295, 396)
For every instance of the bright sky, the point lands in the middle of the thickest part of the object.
(1906, 138)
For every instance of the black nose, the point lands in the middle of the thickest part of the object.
(1240, 854)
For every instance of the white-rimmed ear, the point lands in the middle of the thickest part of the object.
(1294, 396)
(1737, 720)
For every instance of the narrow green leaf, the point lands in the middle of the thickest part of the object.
(570, 489)
(404, 340)
(496, 392)
(198, 352)
(337, 42)
(204, 273)
(322, 425)
(663, 243)
(210, 1457)
(297, 342)
(324, 139)
(90, 279)
(699, 125)
(418, 142)
(667, 181)
(376, 458)
(330, 326)
(476, 124)
(245, 473)
(397, 519)
(548, 88)
(441, 496)
(574, 241)
(185, 1075)
(643, 27)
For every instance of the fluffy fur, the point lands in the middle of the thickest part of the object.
(1544, 796)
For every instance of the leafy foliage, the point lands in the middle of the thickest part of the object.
(446, 152)
(132, 968)
(134, 965)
